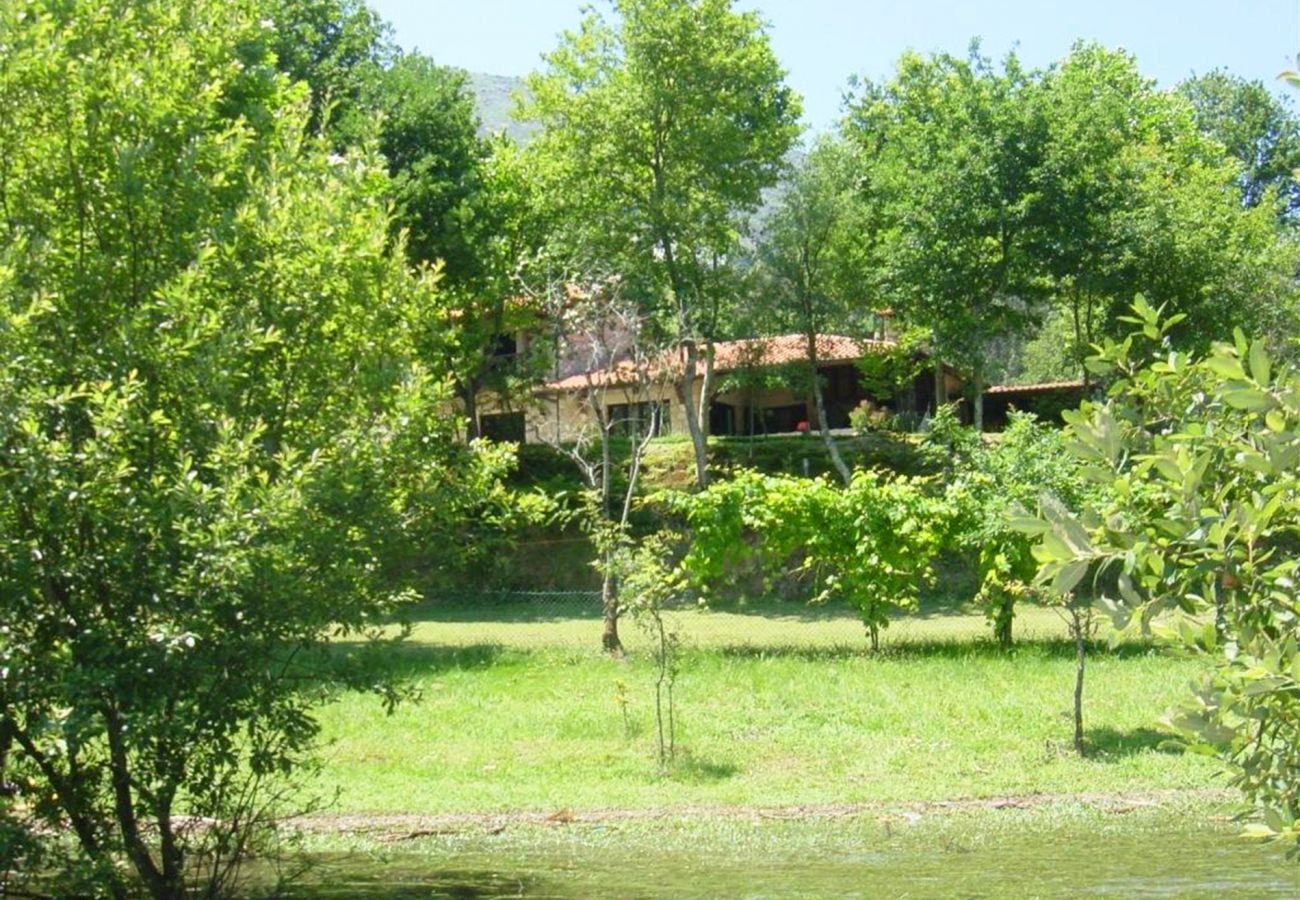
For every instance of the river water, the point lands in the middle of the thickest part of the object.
(1052, 863)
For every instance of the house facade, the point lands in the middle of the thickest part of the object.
(755, 386)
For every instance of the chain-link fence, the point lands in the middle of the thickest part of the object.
(538, 619)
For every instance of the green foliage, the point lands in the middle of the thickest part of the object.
(1054, 351)
(215, 448)
(809, 246)
(1130, 196)
(1000, 198)
(887, 371)
(1199, 537)
(1257, 128)
(650, 584)
(950, 146)
(429, 138)
(339, 49)
(662, 124)
(992, 485)
(465, 206)
(806, 259)
(869, 544)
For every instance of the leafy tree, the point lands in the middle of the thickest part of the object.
(429, 137)
(653, 583)
(992, 484)
(466, 206)
(622, 367)
(1257, 128)
(661, 125)
(339, 49)
(807, 243)
(1129, 196)
(951, 148)
(213, 442)
(1199, 538)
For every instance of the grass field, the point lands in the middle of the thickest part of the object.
(518, 713)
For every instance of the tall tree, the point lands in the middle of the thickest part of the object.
(465, 205)
(213, 440)
(1257, 127)
(339, 49)
(429, 136)
(951, 147)
(808, 248)
(662, 124)
(1129, 197)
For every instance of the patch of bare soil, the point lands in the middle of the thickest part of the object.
(393, 827)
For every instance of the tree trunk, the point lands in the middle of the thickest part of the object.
(6, 742)
(609, 639)
(1080, 659)
(977, 401)
(470, 396)
(69, 791)
(940, 387)
(606, 477)
(1003, 619)
(156, 881)
(706, 389)
(700, 445)
(823, 424)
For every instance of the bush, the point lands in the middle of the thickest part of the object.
(1199, 539)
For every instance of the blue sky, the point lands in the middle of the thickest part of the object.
(822, 42)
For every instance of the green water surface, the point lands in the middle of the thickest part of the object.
(1054, 862)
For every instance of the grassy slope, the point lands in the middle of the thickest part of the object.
(518, 715)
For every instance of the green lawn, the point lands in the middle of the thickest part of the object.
(518, 713)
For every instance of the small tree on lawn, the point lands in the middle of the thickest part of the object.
(652, 582)
(990, 487)
(623, 371)
(1199, 540)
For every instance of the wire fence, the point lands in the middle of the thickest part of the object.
(572, 619)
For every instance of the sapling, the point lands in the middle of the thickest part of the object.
(624, 368)
(652, 583)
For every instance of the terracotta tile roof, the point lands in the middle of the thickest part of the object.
(730, 356)
(1041, 387)
(623, 373)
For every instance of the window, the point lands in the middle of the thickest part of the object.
(503, 427)
(634, 420)
(784, 419)
(505, 346)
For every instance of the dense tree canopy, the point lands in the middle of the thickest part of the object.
(1257, 127)
(338, 48)
(215, 448)
(429, 136)
(1006, 200)
(661, 124)
(1132, 198)
(952, 146)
